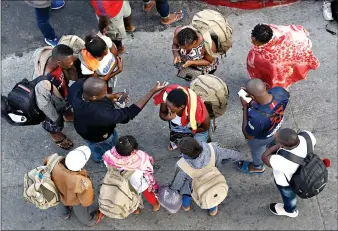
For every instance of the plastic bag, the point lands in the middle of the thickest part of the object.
(169, 199)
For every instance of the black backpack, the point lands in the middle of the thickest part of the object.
(311, 176)
(21, 103)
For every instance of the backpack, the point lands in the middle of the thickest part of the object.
(117, 197)
(214, 92)
(213, 27)
(20, 108)
(39, 187)
(311, 176)
(74, 42)
(209, 187)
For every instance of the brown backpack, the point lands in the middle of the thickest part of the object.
(213, 27)
(209, 187)
(117, 197)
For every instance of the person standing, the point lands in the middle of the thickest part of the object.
(262, 118)
(198, 156)
(119, 13)
(75, 187)
(280, 55)
(283, 169)
(42, 14)
(162, 7)
(54, 104)
(95, 115)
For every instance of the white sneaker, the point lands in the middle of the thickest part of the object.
(278, 209)
(327, 12)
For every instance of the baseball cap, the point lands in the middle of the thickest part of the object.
(77, 158)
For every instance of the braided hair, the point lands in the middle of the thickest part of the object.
(262, 33)
(186, 36)
(190, 147)
(126, 145)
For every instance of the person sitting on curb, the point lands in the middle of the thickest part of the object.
(162, 7)
(95, 115)
(75, 187)
(55, 104)
(262, 118)
(186, 113)
(283, 169)
(198, 156)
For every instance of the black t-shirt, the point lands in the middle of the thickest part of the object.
(95, 121)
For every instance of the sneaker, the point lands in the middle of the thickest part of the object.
(52, 42)
(327, 12)
(278, 209)
(57, 4)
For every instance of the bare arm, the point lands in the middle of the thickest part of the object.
(268, 153)
(205, 125)
(144, 100)
(175, 45)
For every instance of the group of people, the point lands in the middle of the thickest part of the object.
(280, 56)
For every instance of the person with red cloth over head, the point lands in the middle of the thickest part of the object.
(186, 113)
(119, 13)
(280, 55)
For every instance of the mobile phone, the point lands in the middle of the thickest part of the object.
(244, 95)
(123, 97)
(179, 65)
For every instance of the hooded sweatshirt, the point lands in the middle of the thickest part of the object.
(39, 3)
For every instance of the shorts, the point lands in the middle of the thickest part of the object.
(53, 127)
(116, 29)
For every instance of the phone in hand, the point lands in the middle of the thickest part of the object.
(179, 65)
(121, 101)
(244, 95)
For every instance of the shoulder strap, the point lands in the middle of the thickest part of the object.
(291, 157)
(212, 162)
(186, 168)
(48, 77)
(309, 146)
(53, 160)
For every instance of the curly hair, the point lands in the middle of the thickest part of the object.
(126, 145)
(262, 33)
(190, 147)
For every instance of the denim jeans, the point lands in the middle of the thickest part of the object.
(199, 137)
(257, 147)
(98, 149)
(186, 202)
(42, 19)
(289, 198)
(162, 7)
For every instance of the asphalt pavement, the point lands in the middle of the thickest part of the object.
(148, 58)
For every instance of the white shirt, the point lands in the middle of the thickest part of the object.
(106, 63)
(177, 120)
(284, 168)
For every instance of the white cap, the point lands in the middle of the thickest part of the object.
(77, 158)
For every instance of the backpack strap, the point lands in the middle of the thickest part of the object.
(212, 162)
(192, 172)
(53, 160)
(309, 146)
(291, 157)
(183, 164)
(48, 77)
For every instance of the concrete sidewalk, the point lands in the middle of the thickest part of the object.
(149, 59)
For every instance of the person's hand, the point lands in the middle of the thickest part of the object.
(119, 63)
(177, 59)
(158, 86)
(171, 116)
(188, 63)
(244, 103)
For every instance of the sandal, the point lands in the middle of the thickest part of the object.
(171, 147)
(99, 218)
(65, 143)
(149, 6)
(243, 166)
(177, 18)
